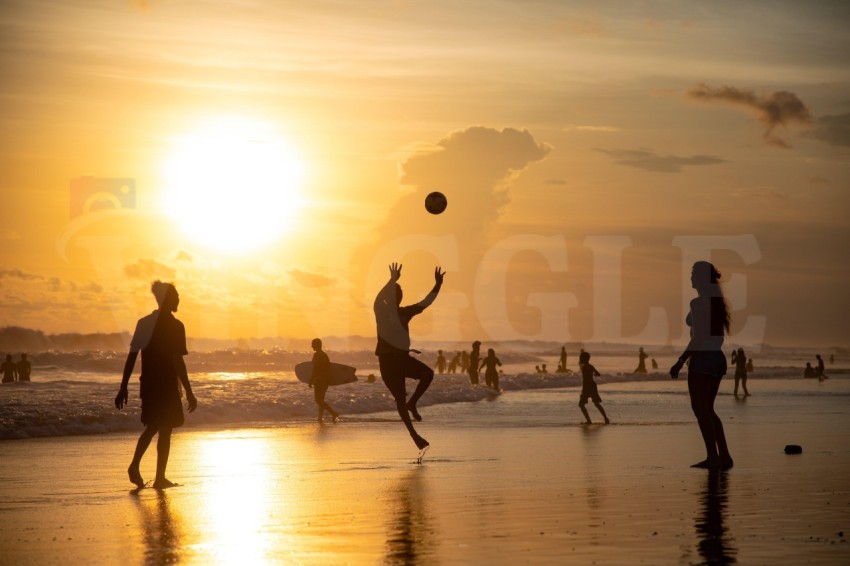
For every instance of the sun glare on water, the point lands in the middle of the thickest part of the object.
(233, 185)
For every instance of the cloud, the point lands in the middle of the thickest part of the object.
(309, 279)
(473, 168)
(648, 160)
(148, 270)
(18, 274)
(183, 255)
(603, 129)
(818, 180)
(478, 155)
(834, 130)
(773, 109)
(555, 182)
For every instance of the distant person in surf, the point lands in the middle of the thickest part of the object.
(440, 366)
(474, 360)
(453, 363)
(641, 367)
(10, 369)
(491, 374)
(161, 339)
(709, 320)
(820, 369)
(740, 361)
(809, 371)
(393, 349)
(23, 368)
(589, 390)
(320, 379)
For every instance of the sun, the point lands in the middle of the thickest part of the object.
(233, 184)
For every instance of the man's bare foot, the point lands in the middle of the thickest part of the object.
(135, 477)
(607, 421)
(413, 412)
(163, 484)
(726, 464)
(420, 442)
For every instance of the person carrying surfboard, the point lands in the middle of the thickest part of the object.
(393, 349)
(320, 380)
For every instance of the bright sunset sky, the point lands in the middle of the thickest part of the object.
(281, 153)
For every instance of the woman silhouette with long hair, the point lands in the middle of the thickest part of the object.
(709, 320)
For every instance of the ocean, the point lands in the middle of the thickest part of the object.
(73, 393)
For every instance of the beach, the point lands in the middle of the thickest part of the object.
(513, 478)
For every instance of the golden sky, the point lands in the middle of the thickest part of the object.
(589, 153)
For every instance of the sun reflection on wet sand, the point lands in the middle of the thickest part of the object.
(235, 506)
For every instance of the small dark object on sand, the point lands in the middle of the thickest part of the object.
(793, 449)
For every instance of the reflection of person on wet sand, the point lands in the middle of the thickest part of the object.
(24, 368)
(10, 369)
(491, 374)
(320, 379)
(162, 340)
(641, 368)
(474, 358)
(410, 529)
(740, 361)
(161, 530)
(589, 390)
(393, 349)
(713, 543)
(709, 319)
(440, 366)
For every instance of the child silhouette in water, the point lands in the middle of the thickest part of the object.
(588, 388)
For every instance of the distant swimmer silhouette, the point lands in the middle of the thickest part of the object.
(393, 348)
(440, 366)
(464, 361)
(654, 363)
(831, 359)
(709, 320)
(641, 368)
(749, 365)
(491, 374)
(740, 361)
(589, 389)
(162, 340)
(10, 369)
(543, 368)
(562, 360)
(320, 379)
(23, 368)
(809, 371)
(474, 360)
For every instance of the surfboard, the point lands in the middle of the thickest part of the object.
(340, 374)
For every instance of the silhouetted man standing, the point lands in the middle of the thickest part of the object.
(162, 340)
(393, 349)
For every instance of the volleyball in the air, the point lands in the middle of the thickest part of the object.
(436, 202)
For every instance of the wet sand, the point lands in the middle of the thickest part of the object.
(495, 490)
